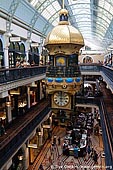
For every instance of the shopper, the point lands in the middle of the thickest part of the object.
(41, 167)
(54, 140)
(95, 157)
(59, 140)
(76, 151)
(2, 129)
(88, 150)
(92, 152)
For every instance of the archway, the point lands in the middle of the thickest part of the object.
(87, 59)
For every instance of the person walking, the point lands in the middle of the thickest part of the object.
(41, 167)
(88, 150)
(54, 140)
(92, 152)
(76, 151)
(3, 129)
(59, 141)
(95, 157)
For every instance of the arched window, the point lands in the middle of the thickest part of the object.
(22, 48)
(88, 59)
(1, 45)
(17, 48)
(12, 46)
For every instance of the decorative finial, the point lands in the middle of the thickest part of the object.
(63, 4)
(63, 15)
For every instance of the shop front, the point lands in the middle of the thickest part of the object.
(16, 53)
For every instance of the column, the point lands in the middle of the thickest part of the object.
(9, 113)
(27, 56)
(93, 111)
(40, 50)
(39, 91)
(26, 157)
(40, 136)
(50, 120)
(28, 96)
(28, 42)
(6, 45)
(16, 105)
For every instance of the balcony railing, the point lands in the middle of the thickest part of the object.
(108, 72)
(12, 74)
(87, 67)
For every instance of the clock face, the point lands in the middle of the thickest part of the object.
(61, 98)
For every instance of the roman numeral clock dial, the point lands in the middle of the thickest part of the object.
(61, 98)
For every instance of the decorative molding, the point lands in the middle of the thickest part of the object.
(18, 83)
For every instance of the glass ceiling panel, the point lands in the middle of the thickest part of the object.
(101, 3)
(51, 10)
(81, 10)
(106, 5)
(34, 2)
(111, 10)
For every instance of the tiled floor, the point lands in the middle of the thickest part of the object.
(54, 159)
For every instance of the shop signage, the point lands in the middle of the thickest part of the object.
(46, 126)
(32, 146)
(34, 44)
(15, 39)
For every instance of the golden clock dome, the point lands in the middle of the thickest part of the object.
(63, 35)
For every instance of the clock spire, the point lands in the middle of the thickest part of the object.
(63, 15)
(63, 4)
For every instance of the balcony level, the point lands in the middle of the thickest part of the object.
(15, 77)
(20, 129)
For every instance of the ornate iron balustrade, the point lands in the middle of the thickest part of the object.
(108, 72)
(90, 67)
(12, 74)
(87, 100)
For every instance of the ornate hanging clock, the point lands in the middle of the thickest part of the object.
(61, 98)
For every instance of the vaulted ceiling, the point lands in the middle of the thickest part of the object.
(93, 18)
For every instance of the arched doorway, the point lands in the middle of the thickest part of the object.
(12, 55)
(34, 55)
(22, 52)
